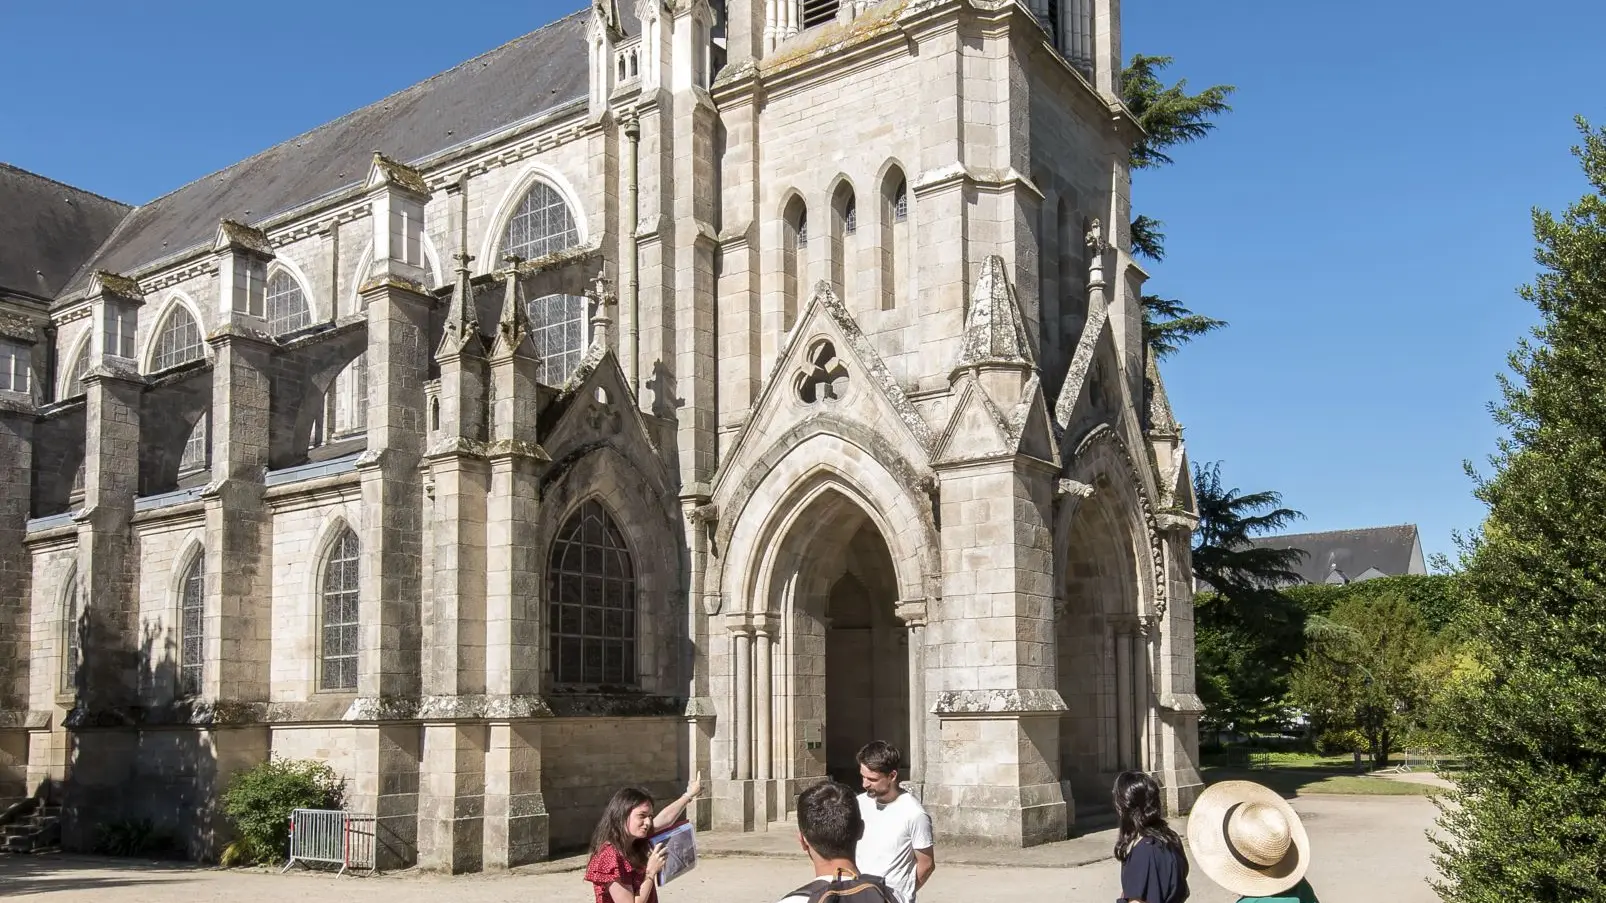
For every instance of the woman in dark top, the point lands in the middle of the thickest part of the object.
(1153, 867)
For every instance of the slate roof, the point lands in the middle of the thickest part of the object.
(1391, 551)
(523, 78)
(48, 230)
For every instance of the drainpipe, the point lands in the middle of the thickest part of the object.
(632, 283)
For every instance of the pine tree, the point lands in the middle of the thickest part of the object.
(1169, 116)
(1528, 820)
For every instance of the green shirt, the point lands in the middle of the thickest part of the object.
(1299, 893)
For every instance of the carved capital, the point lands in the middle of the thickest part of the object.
(912, 612)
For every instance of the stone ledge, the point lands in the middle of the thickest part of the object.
(987, 703)
(1185, 703)
(28, 719)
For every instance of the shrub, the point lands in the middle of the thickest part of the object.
(259, 800)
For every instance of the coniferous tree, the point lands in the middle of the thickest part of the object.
(1528, 820)
(1169, 116)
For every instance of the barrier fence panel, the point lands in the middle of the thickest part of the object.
(331, 836)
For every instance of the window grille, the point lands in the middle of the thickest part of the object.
(13, 368)
(178, 342)
(541, 225)
(558, 331)
(340, 618)
(900, 202)
(192, 635)
(197, 447)
(818, 12)
(70, 652)
(592, 603)
(850, 217)
(287, 304)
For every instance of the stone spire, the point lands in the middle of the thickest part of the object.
(995, 330)
(513, 327)
(462, 329)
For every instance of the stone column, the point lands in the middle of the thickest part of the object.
(913, 613)
(108, 678)
(996, 697)
(743, 638)
(516, 818)
(109, 674)
(389, 658)
(16, 565)
(16, 578)
(452, 790)
(939, 214)
(238, 581)
(516, 821)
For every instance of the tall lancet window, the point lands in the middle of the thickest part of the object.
(591, 588)
(795, 259)
(338, 597)
(894, 239)
(844, 225)
(71, 651)
(192, 626)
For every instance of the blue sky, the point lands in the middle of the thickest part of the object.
(1361, 219)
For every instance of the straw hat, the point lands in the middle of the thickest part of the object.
(1248, 839)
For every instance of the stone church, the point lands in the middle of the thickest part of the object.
(676, 388)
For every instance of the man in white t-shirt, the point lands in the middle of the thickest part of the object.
(897, 842)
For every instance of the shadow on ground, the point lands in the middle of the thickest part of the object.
(22, 875)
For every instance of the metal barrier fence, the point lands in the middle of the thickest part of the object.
(331, 836)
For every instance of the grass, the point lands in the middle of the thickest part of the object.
(1292, 782)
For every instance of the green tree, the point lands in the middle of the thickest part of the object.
(1170, 116)
(1528, 820)
(1367, 672)
(1247, 633)
(259, 800)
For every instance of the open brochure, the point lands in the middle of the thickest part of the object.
(680, 851)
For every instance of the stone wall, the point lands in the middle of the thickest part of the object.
(586, 759)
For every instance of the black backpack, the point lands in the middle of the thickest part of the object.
(846, 889)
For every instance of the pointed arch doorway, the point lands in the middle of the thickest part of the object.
(832, 668)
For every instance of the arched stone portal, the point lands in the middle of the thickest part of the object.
(822, 663)
(1103, 653)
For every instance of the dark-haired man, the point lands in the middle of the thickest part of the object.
(897, 842)
(828, 826)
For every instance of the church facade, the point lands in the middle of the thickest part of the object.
(674, 389)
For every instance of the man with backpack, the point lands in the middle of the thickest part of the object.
(829, 827)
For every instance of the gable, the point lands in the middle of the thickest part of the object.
(597, 408)
(828, 366)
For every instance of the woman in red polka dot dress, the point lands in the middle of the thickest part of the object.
(624, 867)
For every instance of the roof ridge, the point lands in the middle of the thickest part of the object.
(374, 103)
(1400, 526)
(44, 178)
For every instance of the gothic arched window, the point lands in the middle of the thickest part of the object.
(541, 224)
(558, 331)
(287, 304)
(76, 371)
(198, 447)
(70, 652)
(178, 341)
(338, 598)
(894, 239)
(591, 588)
(192, 626)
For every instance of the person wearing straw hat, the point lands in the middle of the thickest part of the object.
(1251, 842)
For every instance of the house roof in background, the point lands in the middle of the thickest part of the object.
(1352, 554)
